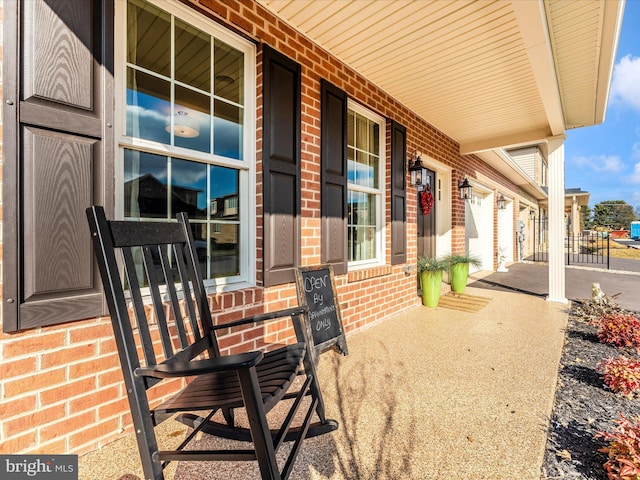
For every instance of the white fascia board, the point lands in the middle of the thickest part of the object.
(612, 24)
(532, 20)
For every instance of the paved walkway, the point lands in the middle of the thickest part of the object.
(426, 394)
(622, 281)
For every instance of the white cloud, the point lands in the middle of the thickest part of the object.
(601, 163)
(635, 176)
(625, 86)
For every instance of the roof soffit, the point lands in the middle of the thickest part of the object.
(488, 74)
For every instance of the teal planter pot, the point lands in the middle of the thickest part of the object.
(431, 283)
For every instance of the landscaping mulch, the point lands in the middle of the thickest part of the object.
(584, 405)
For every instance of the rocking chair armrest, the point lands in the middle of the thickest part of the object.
(288, 312)
(199, 367)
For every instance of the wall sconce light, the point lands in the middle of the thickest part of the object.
(465, 189)
(502, 202)
(183, 125)
(418, 172)
(532, 214)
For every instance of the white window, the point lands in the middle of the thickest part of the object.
(366, 182)
(186, 90)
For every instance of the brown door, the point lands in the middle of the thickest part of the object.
(427, 221)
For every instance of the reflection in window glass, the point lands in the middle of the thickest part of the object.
(193, 56)
(363, 151)
(225, 190)
(229, 73)
(361, 226)
(149, 37)
(185, 88)
(145, 185)
(148, 104)
(188, 188)
(191, 120)
(227, 130)
(224, 210)
(364, 187)
(191, 78)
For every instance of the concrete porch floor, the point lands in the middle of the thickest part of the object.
(425, 394)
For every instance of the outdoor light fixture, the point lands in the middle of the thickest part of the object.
(465, 189)
(532, 214)
(418, 172)
(183, 125)
(502, 202)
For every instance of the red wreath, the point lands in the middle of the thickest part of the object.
(426, 202)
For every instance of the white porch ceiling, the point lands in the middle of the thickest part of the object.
(488, 74)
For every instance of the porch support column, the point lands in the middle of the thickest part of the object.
(556, 219)
(575, 216)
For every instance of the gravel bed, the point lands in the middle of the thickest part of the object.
(583, 403)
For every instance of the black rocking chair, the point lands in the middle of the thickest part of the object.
(171, 335)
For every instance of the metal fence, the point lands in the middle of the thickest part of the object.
(586, 248)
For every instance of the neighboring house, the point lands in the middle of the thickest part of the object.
(297, 121)
(532, 161)
(574, 200)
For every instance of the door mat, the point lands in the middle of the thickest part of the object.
(463, 302)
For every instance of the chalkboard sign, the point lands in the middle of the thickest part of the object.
(316, 290)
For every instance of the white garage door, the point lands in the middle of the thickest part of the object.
(478, 221)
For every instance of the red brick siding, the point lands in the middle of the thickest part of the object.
(61, 388)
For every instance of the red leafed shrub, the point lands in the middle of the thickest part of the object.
(619, 329)
(621, 374)
(623, 450)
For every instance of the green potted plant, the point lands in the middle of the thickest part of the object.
(431, 269)
(458, 266)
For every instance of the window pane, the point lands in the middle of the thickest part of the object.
(362, 133)
(361, 226)
(188, 188)
(227, 130)
(374, 138)
(192, 120)
(217, 246)
(149, 37)
(148, 106)
(200, 236)
(225, 190)
(229, 73)
(145, 185)
(351, 165)
(224, 210)
(225, 249)
(193, 56)
(351, 128)
(365, 171)
(363, 151)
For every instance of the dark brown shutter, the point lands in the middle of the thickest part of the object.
(281, 167)
(398, 193)
(58, 156)
(333, 152)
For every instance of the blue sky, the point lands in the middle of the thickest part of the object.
(605, 159)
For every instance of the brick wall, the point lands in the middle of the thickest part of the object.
(61, 388)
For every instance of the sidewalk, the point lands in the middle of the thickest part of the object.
(427, 394)
(621, 282)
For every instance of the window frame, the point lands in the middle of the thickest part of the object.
(379, 192)
(245, 166)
